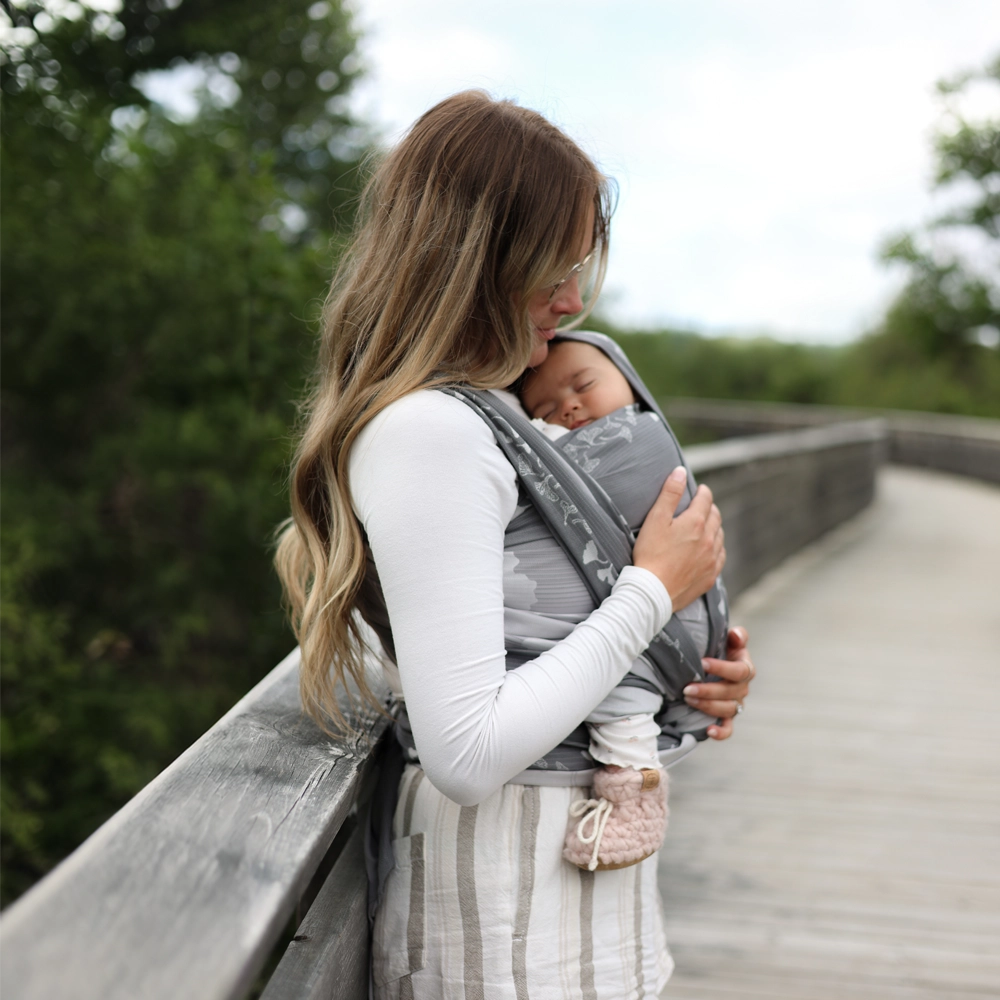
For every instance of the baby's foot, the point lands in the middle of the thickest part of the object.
(623, 824)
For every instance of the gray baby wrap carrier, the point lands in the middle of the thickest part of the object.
(581, 499)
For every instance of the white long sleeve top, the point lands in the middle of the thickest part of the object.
(435, 494)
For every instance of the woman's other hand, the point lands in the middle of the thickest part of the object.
(724, 698)
(686, 552)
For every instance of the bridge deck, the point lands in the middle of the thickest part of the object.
(846, 844)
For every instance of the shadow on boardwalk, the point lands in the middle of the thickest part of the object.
(846, 843)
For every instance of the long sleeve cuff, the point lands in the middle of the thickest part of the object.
(648, 587)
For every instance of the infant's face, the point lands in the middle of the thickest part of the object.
(574, 386)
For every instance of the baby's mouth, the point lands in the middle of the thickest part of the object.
(579, 423)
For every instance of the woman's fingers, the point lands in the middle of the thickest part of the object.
(737, 638)
(733, 684)
(738, 671)
(721, 730)
(670, 493)
(686, 552)
(718, 544)
(702, 503)
(724, 698)
(714, 520)
(722, 707)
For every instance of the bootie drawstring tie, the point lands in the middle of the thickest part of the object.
(597, 812)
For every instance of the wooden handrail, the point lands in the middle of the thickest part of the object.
(968, 446)
(779, 492)
(183, 892)
(708, 458)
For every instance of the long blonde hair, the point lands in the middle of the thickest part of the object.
(480, 206)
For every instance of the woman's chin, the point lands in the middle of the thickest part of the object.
(539, 354)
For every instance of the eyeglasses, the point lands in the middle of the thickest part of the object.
(575, 271)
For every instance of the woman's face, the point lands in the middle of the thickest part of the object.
(546, 310)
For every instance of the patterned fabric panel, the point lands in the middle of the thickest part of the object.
(538, 575)
(630, 453)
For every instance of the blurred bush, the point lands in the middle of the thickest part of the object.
(680, 363)
(159, 278)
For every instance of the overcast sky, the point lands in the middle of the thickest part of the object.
(763, 148)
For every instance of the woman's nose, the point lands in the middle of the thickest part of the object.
(567, 300)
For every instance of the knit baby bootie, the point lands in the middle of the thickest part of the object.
(623, 824)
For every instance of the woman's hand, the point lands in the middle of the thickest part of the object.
(685, 552)
(724, 698)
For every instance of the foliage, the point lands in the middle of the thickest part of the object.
(936, 349)
(680, 363)
(274, 77)
(874, 372)
(155, 339)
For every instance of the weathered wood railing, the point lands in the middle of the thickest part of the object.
(969, 446)
(778, 492)
(185, 892)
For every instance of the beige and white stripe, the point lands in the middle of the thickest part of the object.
(482, 906)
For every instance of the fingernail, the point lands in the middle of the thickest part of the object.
(691, 690)
(712, 731)
(679, 474)
(704, 663)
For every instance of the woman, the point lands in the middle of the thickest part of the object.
(465, 260)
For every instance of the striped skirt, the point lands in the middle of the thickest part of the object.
(482, 906)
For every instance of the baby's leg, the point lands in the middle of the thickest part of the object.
(629, 741)
(622, 729)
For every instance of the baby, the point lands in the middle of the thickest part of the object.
(575, 387)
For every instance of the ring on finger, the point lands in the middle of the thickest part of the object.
(739, 708)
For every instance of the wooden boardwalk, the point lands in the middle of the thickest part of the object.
(845, 844)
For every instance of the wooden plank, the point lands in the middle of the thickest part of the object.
(844, 845)
(328, 957)
(184, 891)
(754, 985)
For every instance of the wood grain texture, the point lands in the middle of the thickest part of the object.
(968, 446)
(184, 891)
(328, 957)
(845, 845)
(779, 492)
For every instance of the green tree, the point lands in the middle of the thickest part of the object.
(936, 349)
(276, 77)
(679, 363)
(155, 337)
